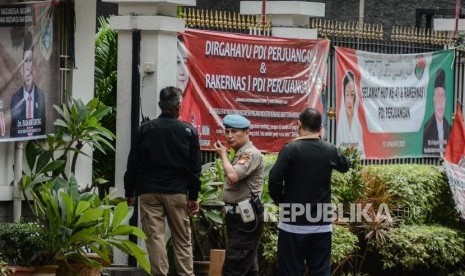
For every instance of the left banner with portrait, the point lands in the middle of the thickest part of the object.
(29, 70)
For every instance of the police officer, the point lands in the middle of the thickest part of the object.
(244, 180)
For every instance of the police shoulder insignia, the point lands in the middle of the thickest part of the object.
(244, 159)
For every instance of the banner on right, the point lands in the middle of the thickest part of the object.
(393, 105)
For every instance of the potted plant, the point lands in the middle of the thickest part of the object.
(78, 221)
(81, 223)
(79, 126)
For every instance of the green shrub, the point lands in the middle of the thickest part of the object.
(269, 243)
(348, 187)
(420, 192)
(271, 209)
(415, 194)
(344, 244)
(412, 246)
(23, 244)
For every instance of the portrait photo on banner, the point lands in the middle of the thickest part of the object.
(349, 131)
(437, 128)
(29, 70)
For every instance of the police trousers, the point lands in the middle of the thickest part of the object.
(241, 254)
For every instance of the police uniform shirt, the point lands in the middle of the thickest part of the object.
(248, 163)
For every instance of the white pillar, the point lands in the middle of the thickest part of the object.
(290, 19)
(83, 74)
(157, 22)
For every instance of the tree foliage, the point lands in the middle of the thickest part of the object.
(106, 49)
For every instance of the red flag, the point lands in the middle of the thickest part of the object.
(455, 148)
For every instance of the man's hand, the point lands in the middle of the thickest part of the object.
(229, 171)
(192, 207)
(220, 148)
(130, 200)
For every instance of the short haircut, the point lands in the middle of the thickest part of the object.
(28, 43)
(310, 119)
(170, 98)
(440, 80)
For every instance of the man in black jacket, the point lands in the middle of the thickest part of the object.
(163, 166)
(300, 183)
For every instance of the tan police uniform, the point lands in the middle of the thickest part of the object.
(241, 254)
(248, 163)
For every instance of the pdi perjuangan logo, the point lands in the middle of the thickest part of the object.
(420, 64)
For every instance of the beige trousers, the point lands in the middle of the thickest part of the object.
(154, 207)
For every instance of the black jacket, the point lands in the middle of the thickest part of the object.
(302, 174)
(165, 158)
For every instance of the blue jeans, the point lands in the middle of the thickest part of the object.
(296, 249)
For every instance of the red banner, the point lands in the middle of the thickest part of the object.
(455, 149)
(268, 80)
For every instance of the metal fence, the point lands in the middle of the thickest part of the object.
(66, 19)
(366, 37)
